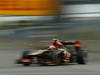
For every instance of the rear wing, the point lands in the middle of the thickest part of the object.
(68, 43)
(75, 43)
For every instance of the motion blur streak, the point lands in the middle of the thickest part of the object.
(78, 21)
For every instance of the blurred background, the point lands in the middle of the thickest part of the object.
(36, 25)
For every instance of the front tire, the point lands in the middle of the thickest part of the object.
(26, 64)
(57, 60)
(25, 53)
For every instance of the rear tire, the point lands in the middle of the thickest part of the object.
(81, 59)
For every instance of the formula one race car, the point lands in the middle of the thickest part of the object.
(68, 54)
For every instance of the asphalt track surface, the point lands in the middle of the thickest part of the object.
(8, 67)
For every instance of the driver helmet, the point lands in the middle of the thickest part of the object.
(55, 39)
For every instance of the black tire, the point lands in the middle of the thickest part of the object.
(25, 53)
(17, 61)
(57, 60)
(81, 59)
(26, 64)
